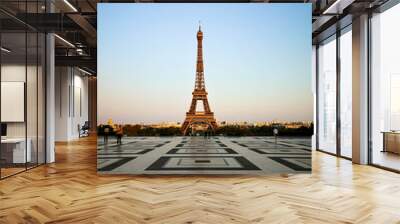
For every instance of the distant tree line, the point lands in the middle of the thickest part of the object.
(265, 130)
(227, 130)
(140, 130)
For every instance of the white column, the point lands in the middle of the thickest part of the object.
(50, 92)
(50, 99)
(360, 90)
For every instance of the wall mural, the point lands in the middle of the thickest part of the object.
(204, 88)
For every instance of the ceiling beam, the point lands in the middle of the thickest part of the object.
(338, 6)
(89, 30)
(77, 61)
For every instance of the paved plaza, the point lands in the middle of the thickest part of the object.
(200, 155)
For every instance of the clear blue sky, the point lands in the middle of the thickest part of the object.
(257, 61)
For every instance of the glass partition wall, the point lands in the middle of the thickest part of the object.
(22, 88)
(385, 89)
(13, 123)
(334, 93)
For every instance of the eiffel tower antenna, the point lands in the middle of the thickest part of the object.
(199, 120)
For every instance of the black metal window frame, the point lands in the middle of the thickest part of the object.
(339, 32)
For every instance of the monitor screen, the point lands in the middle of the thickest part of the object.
(3, 129)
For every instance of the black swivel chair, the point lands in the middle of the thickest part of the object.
(84, 130)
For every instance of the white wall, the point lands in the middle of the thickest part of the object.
(80, 112)
(71, 102)
(61, 103)
(12, 73)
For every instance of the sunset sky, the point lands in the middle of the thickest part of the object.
(257, 61)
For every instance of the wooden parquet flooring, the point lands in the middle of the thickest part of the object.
(70, 191)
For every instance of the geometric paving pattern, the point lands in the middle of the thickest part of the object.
(111, 156)
(72, 191)
(200, 155)
(202, 163)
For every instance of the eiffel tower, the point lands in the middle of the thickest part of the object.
(199, 120)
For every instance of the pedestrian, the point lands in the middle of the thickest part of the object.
(119, 133)
(106, 132)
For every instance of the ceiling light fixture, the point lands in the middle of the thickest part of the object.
(84, 71)
(5, 50)
(64, 40)
(70, 5)
(79, 51)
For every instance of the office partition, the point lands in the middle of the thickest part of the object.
(22, 78)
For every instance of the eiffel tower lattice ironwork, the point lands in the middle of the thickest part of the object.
(199, 118)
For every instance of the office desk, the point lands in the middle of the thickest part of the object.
(13, 150)
(391, 142)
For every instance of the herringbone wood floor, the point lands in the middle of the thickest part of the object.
(70, 191)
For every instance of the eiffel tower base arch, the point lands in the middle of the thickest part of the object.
(196, 123)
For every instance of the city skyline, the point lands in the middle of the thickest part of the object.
(158, 78)
(219, 122)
